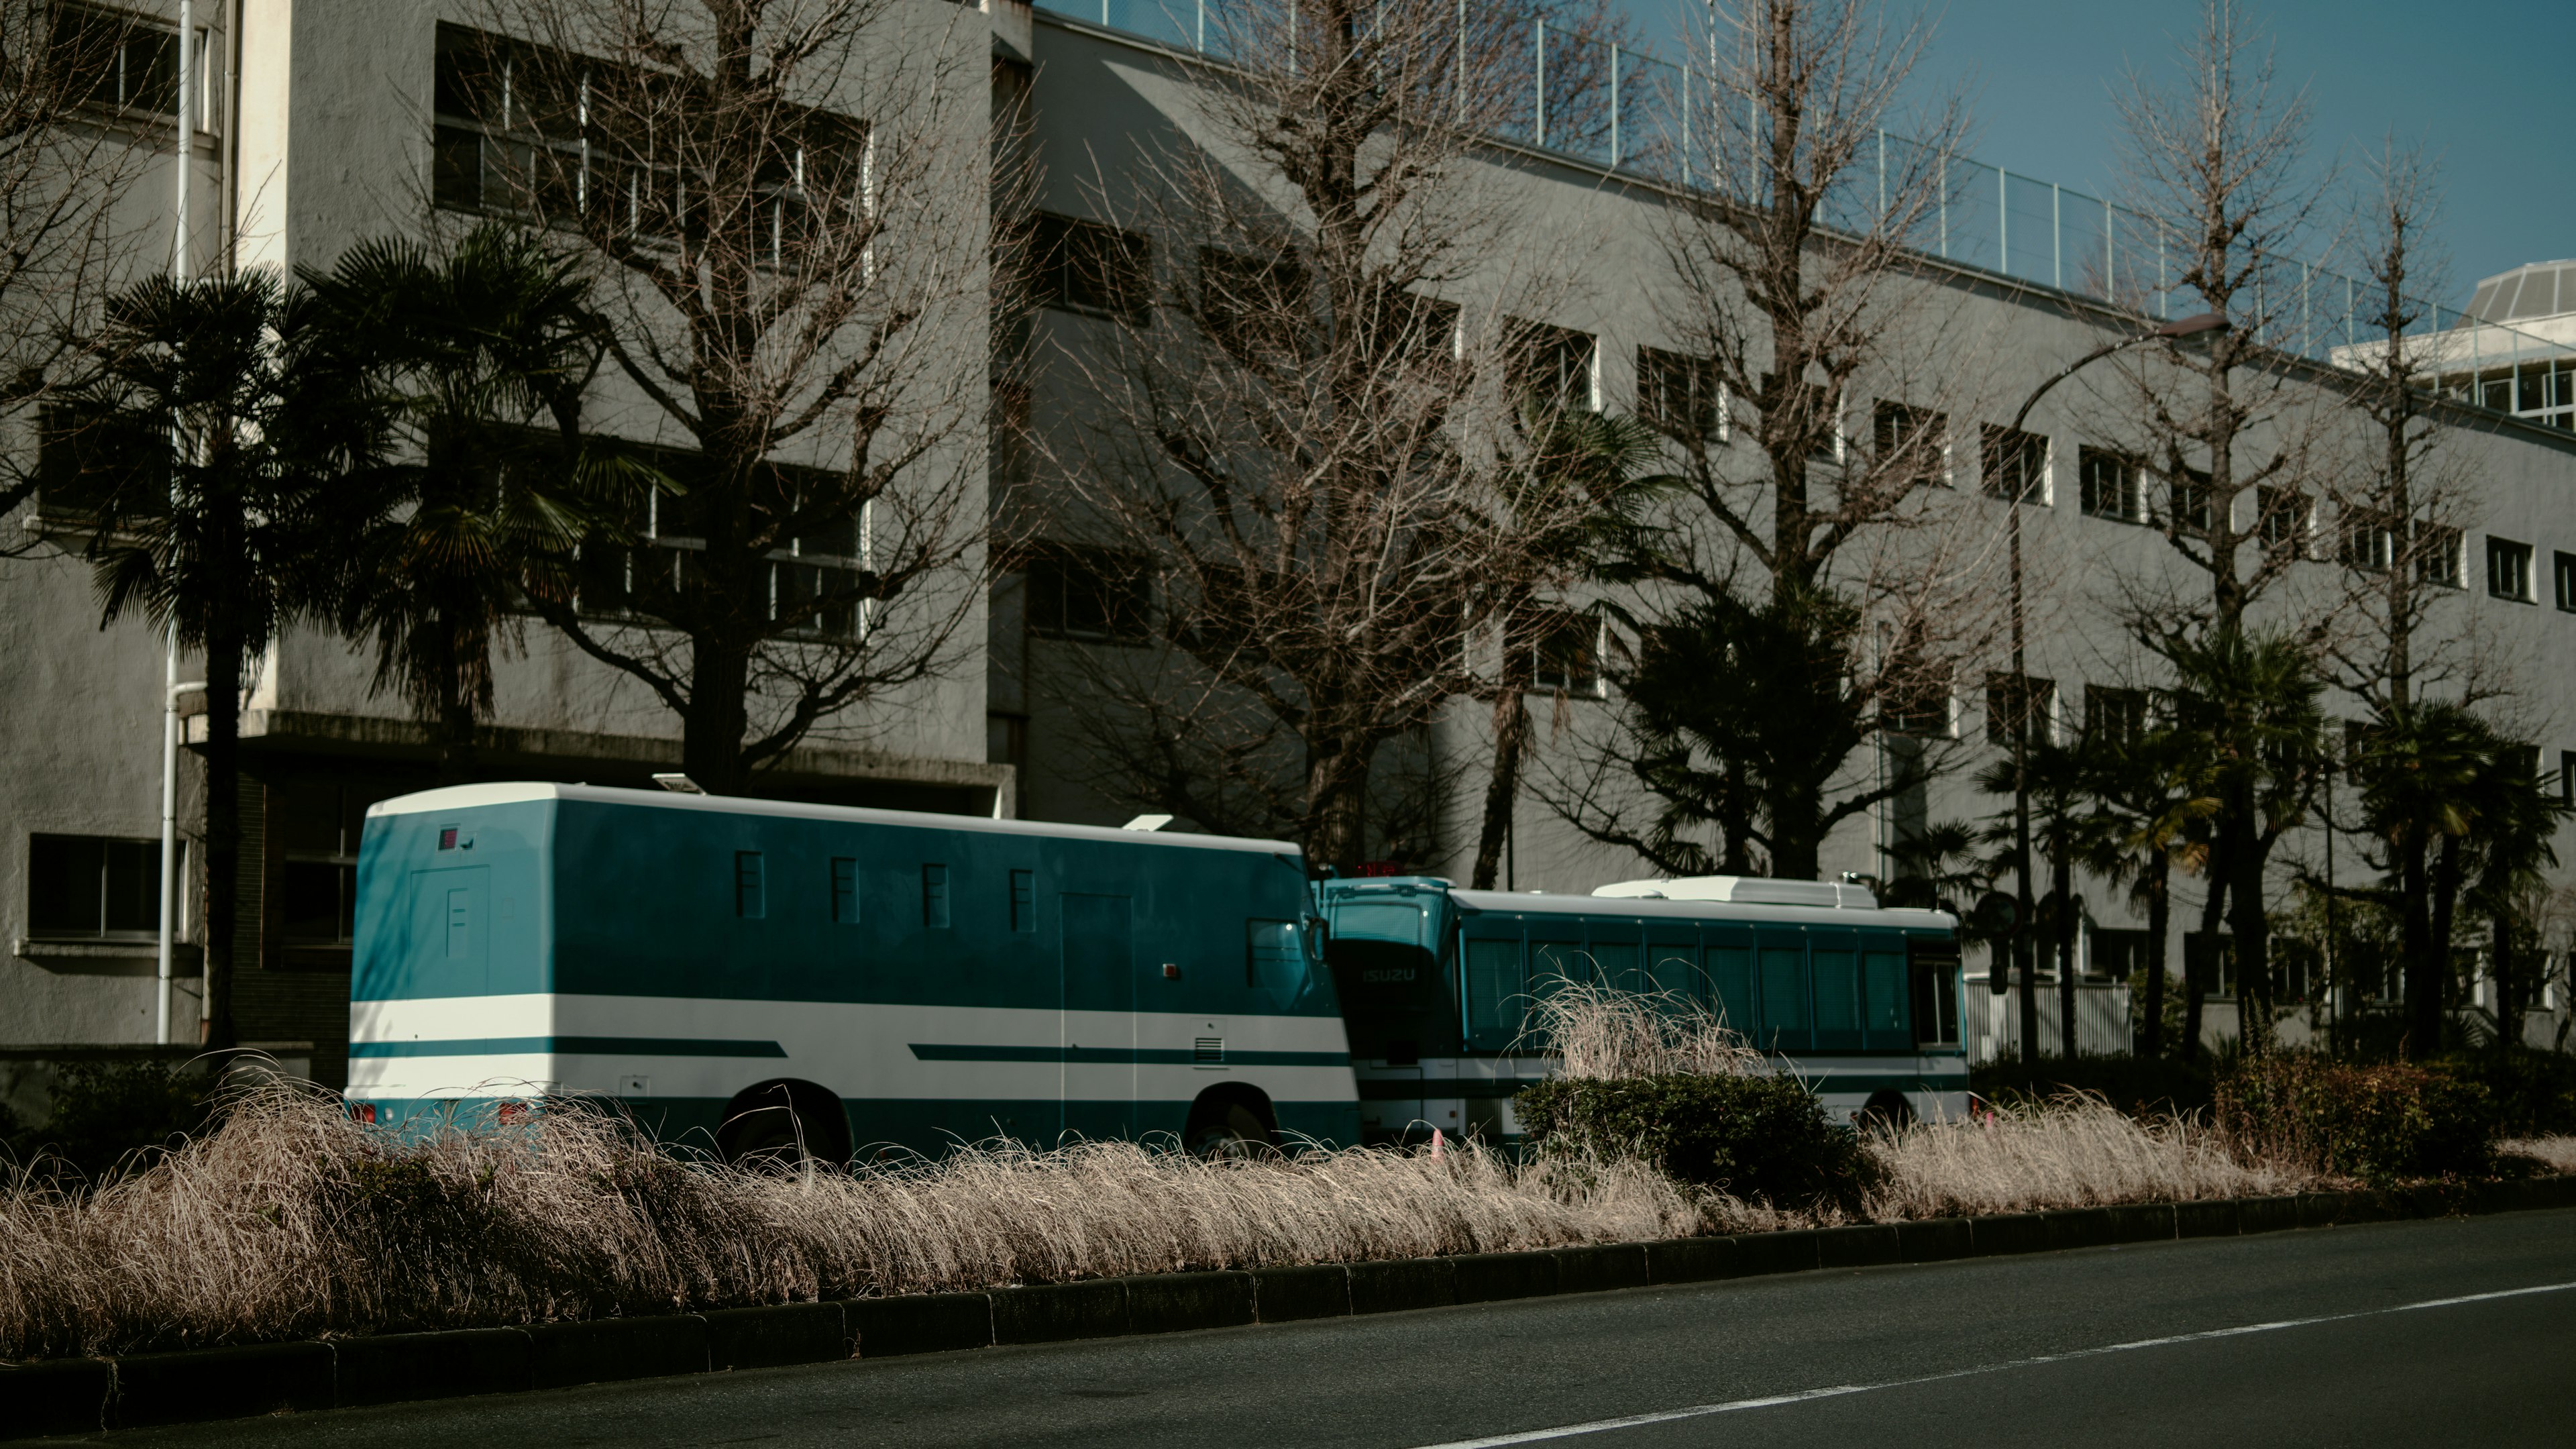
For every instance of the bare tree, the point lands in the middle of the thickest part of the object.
(1809, 398)
(2232, 432)
(784, 203)
(1291, 430)
(86, 99)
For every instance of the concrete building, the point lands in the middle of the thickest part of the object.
(315, 129)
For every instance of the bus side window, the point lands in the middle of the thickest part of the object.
(1024, 901)
(934, 896)
(750, 894)
(1883, 997)
(1936, 1000)
(1615, 965)
(1730, 980)
(1837, 971)
(1784, 993)
(1495, 1002)
(1674, 974)
(1273, 961)
(1554, 964)
(845, 891)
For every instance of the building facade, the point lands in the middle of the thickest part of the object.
(320, 124)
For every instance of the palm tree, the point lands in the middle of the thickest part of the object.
(2247, 702)
(2154, 816)
(225, 544)
(1585, 478)
(2511, 847)
(2420, 770)
(482, 355)
(2059, 790)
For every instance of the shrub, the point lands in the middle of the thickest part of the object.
(2378, 1123)
(2142, 1087)
(2534, 1091)
(1761, 1137)
(105, 1111)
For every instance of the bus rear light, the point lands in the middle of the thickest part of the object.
(513, 1114)
(363, 1112)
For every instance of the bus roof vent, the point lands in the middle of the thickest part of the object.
(1746, 890)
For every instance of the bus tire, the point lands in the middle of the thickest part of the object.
(1233, 1123)
(1887, 1114)
(784, 1123)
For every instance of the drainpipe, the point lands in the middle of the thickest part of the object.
(171, 688)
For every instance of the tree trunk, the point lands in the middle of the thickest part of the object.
(2253, 932)
(455, 721)
(2446, 895)
(2508, 1014)
(1503, 786)
(224, 661)
(2159, 909)
(712, 730)
(2194, 973)
(2423, 993)
(1337, 808)
(2061, 883)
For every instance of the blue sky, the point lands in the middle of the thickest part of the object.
(2480, 83)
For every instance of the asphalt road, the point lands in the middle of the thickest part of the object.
(2458, 1332)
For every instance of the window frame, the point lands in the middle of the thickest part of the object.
(2129, 479)
(1703, 419)
(2039, 687)
(1556, 369)
(1993, 439)
(1070, 250)
(1127, 614)
(145, 853)
(1548, 625)
(1893, 426)
(2518, 558)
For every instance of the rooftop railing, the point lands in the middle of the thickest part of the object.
(1622, 110)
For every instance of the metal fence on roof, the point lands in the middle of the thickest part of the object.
(1631, 113)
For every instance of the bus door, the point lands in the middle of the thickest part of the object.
(1096, 1016)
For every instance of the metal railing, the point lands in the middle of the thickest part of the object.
(1628, 112)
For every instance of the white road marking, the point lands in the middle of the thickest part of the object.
(1698, 1411)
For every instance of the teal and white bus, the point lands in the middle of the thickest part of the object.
(1860, 1002)
(849, 980)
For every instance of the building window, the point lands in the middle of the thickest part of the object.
(90, 464)
(1086, 593)
(2567, 777)
(816, 581)
(1814, 415)
(2563, 565)
(317, 826)
(2114, 716)
(1919, 701)
(2437, 555)
(1553, 369)
(1679, 396)
(1565, 653)
(1089, 266)
(2367, 540)
(1252, 306)
(2020, 704)
(2281, 520)
(127, 66)
(2509, 570)
(1913, 444)
(93, 888)
(2014, 464)
(2188, 506)
(2109, 484)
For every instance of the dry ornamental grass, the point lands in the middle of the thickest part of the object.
(290, 1220)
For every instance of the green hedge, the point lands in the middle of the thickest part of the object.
(2381, 1124)
(2139, 1086)
(1754, 1137)
(2534, 1091)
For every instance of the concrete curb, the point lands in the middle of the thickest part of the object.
(87, 1395)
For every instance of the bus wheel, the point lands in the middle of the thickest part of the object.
(1887, 1114)
(783, 1125)
(1233, 1125)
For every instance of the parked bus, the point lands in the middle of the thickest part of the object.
(1860, 1002)
(772, 974)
